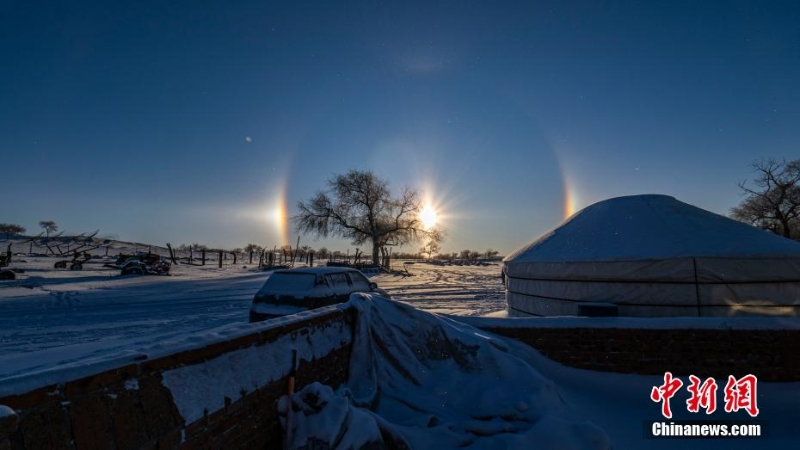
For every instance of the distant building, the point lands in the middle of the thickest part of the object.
(652, 255)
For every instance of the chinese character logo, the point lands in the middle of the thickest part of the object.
(703, 396)
(739, 394)
(665, 392)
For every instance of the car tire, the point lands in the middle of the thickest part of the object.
(60, 265)
(132, 271)
(76, 266)
(7, 275)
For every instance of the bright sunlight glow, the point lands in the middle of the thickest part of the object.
(428, 216)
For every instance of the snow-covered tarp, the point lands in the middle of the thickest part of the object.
(432, 382)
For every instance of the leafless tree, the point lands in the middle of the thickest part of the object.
(254, 248)
(11, 228)
(774, 202)
(49, 227)
(430, 248)
(359, 206)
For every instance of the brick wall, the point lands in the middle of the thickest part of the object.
(131, 408)
(771, 355)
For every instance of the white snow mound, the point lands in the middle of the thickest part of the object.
(423, 381)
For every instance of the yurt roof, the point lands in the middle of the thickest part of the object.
(651, 227)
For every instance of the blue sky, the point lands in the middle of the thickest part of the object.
(194, 121)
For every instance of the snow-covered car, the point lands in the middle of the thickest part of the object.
(148, 265)
(293, 290)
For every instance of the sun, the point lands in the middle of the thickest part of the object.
(429, 217)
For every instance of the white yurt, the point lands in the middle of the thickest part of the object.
(653, 256)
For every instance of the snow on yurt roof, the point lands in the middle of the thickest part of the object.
(651, 227)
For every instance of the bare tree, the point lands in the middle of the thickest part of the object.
(358, 205)
(11, 228)
(430, 248)
(322, 253)
(491, 253)
(433, 243)
(49, 226)
(254, 248)
(774, 203)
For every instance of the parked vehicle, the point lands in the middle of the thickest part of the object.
(145, 264)
(294, 290)
(77, 262)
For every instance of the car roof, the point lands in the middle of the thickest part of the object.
(320, 270)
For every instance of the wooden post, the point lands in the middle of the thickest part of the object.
(203, 256)
(251, 257)
(171, 254)
(221, 255)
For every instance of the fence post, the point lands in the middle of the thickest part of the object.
(203, 255)
(251, 257)
(221, 255)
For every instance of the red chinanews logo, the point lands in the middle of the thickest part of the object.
(738, 394)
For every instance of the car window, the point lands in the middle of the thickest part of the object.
(358, 278)
(290, 281)
(338, 280)
(360, 282)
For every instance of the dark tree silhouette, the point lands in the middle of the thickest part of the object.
(10, 228)
(774, 202)
(49, 227)
(359, 206)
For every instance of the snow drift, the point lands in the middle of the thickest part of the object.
(419, 380)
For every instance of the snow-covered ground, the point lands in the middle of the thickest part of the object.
(456, 290)
(54, 317)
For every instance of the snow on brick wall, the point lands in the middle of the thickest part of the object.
(220, 394)
(770, 354)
